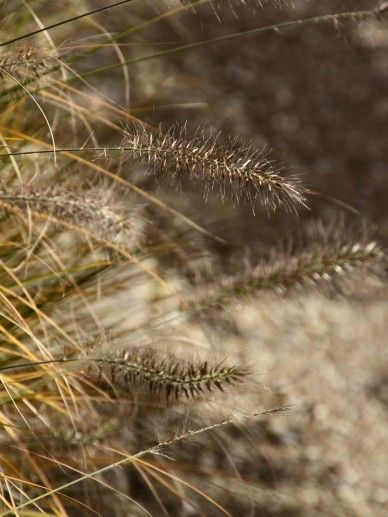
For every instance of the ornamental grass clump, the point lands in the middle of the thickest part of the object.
(116, 121)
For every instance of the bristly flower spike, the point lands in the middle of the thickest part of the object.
(26, 63)
(164, 375)
(94, 210)
(328, 259)
(245, 172)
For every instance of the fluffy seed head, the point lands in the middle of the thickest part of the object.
(25, 63)
(325, 260)
(95, 211)
(165, 375)
(242, 171)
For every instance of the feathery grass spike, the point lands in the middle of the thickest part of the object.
(331, 257)
(168, 376)
(243, 171)
(26, 63)
(94, 210)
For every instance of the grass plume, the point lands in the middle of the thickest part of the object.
(95, 210)
(26, 63)
(240, 170)
(166, 375)
(328, 257)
